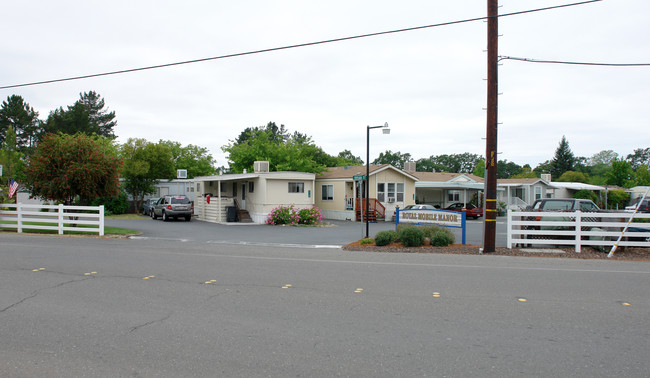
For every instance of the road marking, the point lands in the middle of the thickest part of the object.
(522, 299)
(282, 245)
(359, 290)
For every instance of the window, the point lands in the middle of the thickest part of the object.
(538, 192)
(391, 191)
(234, 189)
(198, 187)
(400, 192)
(328, 192)
(222, 187)
(453, 195)
(251, 186)
(296, 187)
(381, 192)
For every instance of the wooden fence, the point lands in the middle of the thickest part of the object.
(576, 229)
(24, 217)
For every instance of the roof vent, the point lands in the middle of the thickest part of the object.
(261, 166)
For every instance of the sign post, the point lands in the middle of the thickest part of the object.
(359, 179)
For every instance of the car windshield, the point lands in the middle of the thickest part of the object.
(558, 205)
(180, 200)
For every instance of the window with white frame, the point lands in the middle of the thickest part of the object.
(296, 187)
(391, 191)
(538, 192)
(400, 192)
(381, 192)
(327, 192)
(453, 195)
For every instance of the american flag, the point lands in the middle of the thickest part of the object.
(13, 186)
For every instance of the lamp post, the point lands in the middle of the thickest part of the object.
(385, 130)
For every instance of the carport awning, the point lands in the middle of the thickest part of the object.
(230, 177)
(449, 185)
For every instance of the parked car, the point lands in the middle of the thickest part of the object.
(643, 207)
(172, 207)
(564, 204)
(471, 211)
(567, 205)
(415, 207)
(148, 205)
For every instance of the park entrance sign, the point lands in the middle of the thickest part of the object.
(444, 218)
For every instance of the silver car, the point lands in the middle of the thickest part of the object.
(175, 207)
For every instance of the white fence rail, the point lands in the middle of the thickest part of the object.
(52, 217)
(576, 229)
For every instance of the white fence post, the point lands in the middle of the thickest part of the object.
(101, 220)
(19, 218)
(578, 231)
(509, 228)
(60, 224)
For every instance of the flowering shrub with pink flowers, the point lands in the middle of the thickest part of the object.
(292, 216)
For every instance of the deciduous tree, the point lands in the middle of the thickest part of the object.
(195, 159)
(145, 163)
(65, 167)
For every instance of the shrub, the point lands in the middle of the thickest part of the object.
(113, 205)
(291, 215)
(442, 237)
(310, 216)
(411, 236)
(385, 237)
(365, 241)
(617, 199)
(283, 215)
(586, 194)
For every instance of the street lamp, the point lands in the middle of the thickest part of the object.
(385, 130)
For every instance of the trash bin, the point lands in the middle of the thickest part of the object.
(231, 213)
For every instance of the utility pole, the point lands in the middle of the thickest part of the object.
(490, 213)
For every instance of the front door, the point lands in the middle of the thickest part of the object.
(243, 196)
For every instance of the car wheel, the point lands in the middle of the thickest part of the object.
(153, 215)
(165, 218)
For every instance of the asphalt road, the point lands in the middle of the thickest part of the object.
(75, 306)
(339, 234)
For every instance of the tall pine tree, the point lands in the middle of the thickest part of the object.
(563, 161)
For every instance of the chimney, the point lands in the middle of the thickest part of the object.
(546, 177)
(409, 166)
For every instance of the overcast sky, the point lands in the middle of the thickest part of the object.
(429, 85)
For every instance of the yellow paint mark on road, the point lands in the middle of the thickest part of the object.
(93, 272)
(626, 304)
(359, 290)
(522, 299)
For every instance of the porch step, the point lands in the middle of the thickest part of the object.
(244, 216)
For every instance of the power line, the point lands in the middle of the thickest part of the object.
(289, 46)
(529, 60)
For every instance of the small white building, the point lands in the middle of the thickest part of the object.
(254, 195)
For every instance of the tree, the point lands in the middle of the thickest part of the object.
(283, 151)
(573, 176)
(86, 116)
(526, 172)
(12, 162)
(479, 169)
(603, 157)
(346, 157)
(507, 169)
(456, 163)
(145, 163)
(640, 156)
(621, 174)
(563, 160)
(65, 167)
(16, 114)
(617, 199)
(100, 119)
(195, 159)
(396, 159)
(543, 168)
(642, 175)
